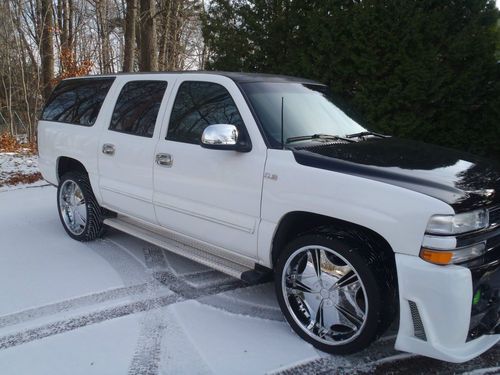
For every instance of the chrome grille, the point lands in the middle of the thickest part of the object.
(418, 326)
(495, 215)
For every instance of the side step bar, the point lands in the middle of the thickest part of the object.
(149, 234)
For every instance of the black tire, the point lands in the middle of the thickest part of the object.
(94, 226)
(372, 267)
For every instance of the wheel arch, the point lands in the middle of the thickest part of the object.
(67, 164)
(377, 255)
(297, 222)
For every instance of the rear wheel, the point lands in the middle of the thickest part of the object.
(332, 293)
(79, 211)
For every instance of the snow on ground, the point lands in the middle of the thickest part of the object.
(11, 162)
(18, 170)
(119, 305)
(105, 348)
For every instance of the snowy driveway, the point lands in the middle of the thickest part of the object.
(121, 306)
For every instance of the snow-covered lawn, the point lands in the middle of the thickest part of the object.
(121, 306)
(18, 169)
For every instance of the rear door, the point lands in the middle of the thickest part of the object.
(126, 152)
(210, 195)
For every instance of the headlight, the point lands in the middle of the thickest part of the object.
(459, 223)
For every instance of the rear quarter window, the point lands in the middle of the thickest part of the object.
(77, 101)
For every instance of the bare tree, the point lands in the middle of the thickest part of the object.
(148, 48)
(65, 15)
(130, 30)
(43, 41)
(180, 34)
(46, 46)
(102, 23)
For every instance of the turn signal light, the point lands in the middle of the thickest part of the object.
(436, 256)
(455, 256)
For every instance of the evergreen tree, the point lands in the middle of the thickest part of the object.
(423, 69)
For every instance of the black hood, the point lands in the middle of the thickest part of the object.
(462, 180)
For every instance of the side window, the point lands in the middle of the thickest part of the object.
(197, 105)
(77, 101)
(137, 107)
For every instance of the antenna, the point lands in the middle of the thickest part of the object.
(282, 138)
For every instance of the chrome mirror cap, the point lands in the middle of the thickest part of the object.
(224, 137)
(220, 135)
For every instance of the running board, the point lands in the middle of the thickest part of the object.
(247, 272)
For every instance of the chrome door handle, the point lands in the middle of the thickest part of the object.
(108, 149)
(165, 160)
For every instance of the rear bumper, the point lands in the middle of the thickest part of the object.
(436, 305)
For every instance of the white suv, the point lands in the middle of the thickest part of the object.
(262, 175)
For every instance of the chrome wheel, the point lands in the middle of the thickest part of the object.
(324, 295)
(73, 207)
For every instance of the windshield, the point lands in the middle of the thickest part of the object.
(307, 110)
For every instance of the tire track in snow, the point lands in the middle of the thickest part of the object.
(242, 307)
(71, 304)
(182, 292)
(182, 286)
(155, 258)
(147, 356)
(85, 320)
(397, 363)
(487, 363)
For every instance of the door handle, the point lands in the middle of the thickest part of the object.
(108, 149)
(165, 160)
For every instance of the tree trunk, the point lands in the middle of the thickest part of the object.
(177, 19)
(71, 28)
(47, 47)
(165, 33)
(103, 30)
(129, 48)
(60, 23)
(65, 29)
(148, 53)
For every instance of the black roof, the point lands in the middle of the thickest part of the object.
(238, 77)
(259, 77)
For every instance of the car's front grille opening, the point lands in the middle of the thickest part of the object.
(418, 326)
(495, 216)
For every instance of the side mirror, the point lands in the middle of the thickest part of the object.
(223, 137)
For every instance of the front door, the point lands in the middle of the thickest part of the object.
(210, 195)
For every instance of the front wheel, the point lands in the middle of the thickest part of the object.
(331, 292)
(79, 211)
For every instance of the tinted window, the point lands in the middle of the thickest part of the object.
(197, 105)
(77, 101)
(137, 107)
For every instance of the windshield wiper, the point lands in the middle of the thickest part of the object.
(364, 134)
(317, 136)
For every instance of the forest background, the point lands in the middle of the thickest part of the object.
(420, 69)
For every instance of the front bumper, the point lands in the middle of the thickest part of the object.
(486, 294)
(436, 305)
